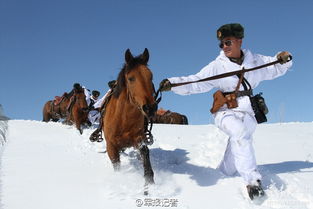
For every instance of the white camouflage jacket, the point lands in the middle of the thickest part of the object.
(222, 65)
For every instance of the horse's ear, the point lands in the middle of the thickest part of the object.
(128, 56)
(145, 55)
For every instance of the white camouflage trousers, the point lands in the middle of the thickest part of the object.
(239, 155)
(94, 116)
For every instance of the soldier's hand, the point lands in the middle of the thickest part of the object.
(165, 85)
(284, 57)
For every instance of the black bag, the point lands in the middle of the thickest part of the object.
(257, 102)
(259, 107)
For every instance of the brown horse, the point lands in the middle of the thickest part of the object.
(72, 107)
(78, 109)
(169, 117)
(55, 112)
(127, 112)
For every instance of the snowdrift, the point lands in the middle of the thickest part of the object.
(50, 165)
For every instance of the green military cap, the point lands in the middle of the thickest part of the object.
(232, 29)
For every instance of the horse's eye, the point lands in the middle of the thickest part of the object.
(131, 79)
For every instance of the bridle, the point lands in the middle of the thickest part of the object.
(148, 122)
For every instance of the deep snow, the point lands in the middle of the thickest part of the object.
(50, 165)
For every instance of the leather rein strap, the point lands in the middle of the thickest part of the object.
(223, 75)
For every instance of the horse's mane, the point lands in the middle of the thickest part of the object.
(69, 95)
(76, 89)
(128, 67)
(66, 95)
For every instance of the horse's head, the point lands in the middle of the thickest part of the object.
(80, 99)
(136, 77)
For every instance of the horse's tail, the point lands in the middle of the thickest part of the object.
(47, 109)
(185, 120)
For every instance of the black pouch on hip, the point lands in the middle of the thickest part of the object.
(259, 107)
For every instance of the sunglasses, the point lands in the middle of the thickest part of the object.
(227, 43)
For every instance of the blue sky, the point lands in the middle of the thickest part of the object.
(46, 46)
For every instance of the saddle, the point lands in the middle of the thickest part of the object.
(58, 99)
(162, 112)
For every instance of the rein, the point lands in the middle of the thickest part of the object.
(223, 75)
(149, 123)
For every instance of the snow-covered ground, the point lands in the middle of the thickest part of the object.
(50, 165)
(3, 127)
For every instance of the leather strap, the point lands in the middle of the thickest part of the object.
(240, 93)
(246, 85)
(239, 82)
(223, 75)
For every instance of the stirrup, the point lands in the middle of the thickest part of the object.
(96, 136)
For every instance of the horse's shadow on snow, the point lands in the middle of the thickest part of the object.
(176, 161)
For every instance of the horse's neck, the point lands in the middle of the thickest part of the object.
(78, 103)
(63, 103)
(126, 106)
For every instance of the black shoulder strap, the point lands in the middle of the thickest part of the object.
(92, 102)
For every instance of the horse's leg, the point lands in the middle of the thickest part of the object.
(148, 172)
(78, 125)
(46, 117)
(55, 119)
(80, 130)
(68, 121)
(114, 156)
